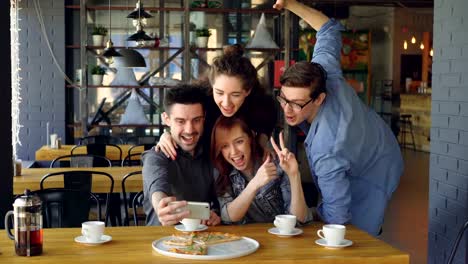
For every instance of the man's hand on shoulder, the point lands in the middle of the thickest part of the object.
(169, 211)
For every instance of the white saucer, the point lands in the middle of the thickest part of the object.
(275, 231)
(199, 228)
(82, 240)
(344, 243)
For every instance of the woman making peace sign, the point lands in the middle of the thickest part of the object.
(252, 188)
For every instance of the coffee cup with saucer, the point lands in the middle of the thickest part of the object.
(285, 226)
(93, 233)
(332, 236)
(190, 225)
(276, 231)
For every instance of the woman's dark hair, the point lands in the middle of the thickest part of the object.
(224, 125)
(233, 64)
(306, 74)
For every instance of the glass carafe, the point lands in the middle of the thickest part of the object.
(27, 222)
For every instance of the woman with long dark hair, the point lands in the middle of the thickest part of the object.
(234, 90)
(251, 187)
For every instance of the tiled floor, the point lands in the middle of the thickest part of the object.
(406, 220)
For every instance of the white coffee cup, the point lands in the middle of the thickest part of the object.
(332, 234)
(285, 223)
(190, 224)
(92, 230)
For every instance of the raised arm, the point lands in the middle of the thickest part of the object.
(327, 50)
(313, 17)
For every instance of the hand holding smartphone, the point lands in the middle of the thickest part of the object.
(198, 210)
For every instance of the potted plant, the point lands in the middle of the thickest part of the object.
(97, 74)
(202, 37)
(97, 35)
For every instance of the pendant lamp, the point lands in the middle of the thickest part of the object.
(139, 13)
(109, 51)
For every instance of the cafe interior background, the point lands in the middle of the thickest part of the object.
(402, 58)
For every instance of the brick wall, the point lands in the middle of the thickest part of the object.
(42, 85)
(448, 198)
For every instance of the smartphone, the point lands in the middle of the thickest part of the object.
(198, 210)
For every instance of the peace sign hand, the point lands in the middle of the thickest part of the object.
(287, 159)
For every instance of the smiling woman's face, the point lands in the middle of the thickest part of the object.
(235, 146)
(228, 94)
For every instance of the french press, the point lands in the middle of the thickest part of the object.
(27, 219)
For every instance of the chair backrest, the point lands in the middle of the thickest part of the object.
(66, 207)
(99, 139)
(98, 149)
(133, 159)
(80, 161)
(143, 140)
(81, 180)
(136, 203)
(127, 196)
(457, 242)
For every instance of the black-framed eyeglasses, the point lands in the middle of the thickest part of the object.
(295, 106)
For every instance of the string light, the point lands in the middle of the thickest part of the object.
(413, 40)
(421, 46)
(405, 45)
(15, 76)
(431, 52)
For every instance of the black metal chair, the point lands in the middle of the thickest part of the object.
(82, 180)
(143, 140)
(406, 127)
(99, 139)
(98, 149)
(129, 160)
(128, 197)
(80, 161)
(66, 207)
(457, 242)
(137, 202)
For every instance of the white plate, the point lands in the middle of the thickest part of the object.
(344, 243)
(228, 250)
(82, 240)
(275, 231)
(199, 228)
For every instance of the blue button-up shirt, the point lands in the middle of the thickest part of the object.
(354, 157)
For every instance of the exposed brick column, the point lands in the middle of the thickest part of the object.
(43, 88)
(448, 198)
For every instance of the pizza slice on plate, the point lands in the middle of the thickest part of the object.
(211, 238)
(194, 249)
(180, 240)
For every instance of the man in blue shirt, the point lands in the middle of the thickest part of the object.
(354, 158)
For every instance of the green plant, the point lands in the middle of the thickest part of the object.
(99, 30)
(98, 70)
(203, 32)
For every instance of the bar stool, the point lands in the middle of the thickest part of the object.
(406, 127)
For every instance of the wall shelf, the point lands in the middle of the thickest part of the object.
(181, 9)
(124, 86)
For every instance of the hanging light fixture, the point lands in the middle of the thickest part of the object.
(140, 35)
(139, 13)
(405, 45)
(421, 46)
(413, 40)
(130, 58)
(109, 51)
